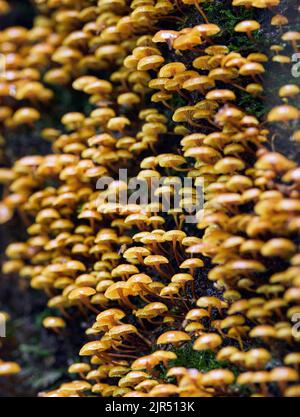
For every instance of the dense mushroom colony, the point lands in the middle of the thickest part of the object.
(167, 90)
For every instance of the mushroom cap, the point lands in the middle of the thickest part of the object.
(283, 113)
(124, 269)
(293, 391)
(279, 20)
(163, 355)
(247, 26)
(221, 95)
(150, 62)
(171, 69)
(208, 29)
(192, 263)
(182, 278)
(163, 390)
(278, 247)
(263, 331)
(110, 314)
(9, 368)
(172, 337)
(207, 341)
(135, 251)
(165, 36)
(121, 330)
(218, 377)
(115, 291)
(81, 292)
(225, 353)
(79, 368)
(289, 90)
(156, 308)
(284, 374)
(144, 363)
(291, 36)
(153, 260)
(26, 115)
(275, 161)
(54, 322)
(177, 371)
(90, 348)
(292, 359)
(251, 68)
(76, 386)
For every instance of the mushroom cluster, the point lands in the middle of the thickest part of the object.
(161, 104)
(6, 368)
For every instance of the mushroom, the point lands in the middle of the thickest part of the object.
(9, 368)
(173, 337)
(55, 324)
(197, 3)
(292, 37)
(207, 341)
(82, 294)
(247, 26)
(284, 113)
(156, 261)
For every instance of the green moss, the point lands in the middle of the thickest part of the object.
(226, 17)
(252, 105)
(203, 361)
(35, 349)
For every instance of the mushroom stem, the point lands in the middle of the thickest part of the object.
(183, 95)
(238, 87)
(174, 244)
(179, 19)
(82, 310)
(144, 339)
(87, 303)
(125, 348)
(141, 323)
(198, 125)
(167, 105)
(295, 46)
(264, 389)
(126, 301)
(178, 6)
(144, 298)
(193, 290)
(23, 217)
(92, 223)
(146, 289)
(161, 272)
(140, 258)
(119, 355)
(239, 339)
(200, 10)
(250, 36)
(181, 169)
(64, 313)
(57, 330)
(181, 221)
